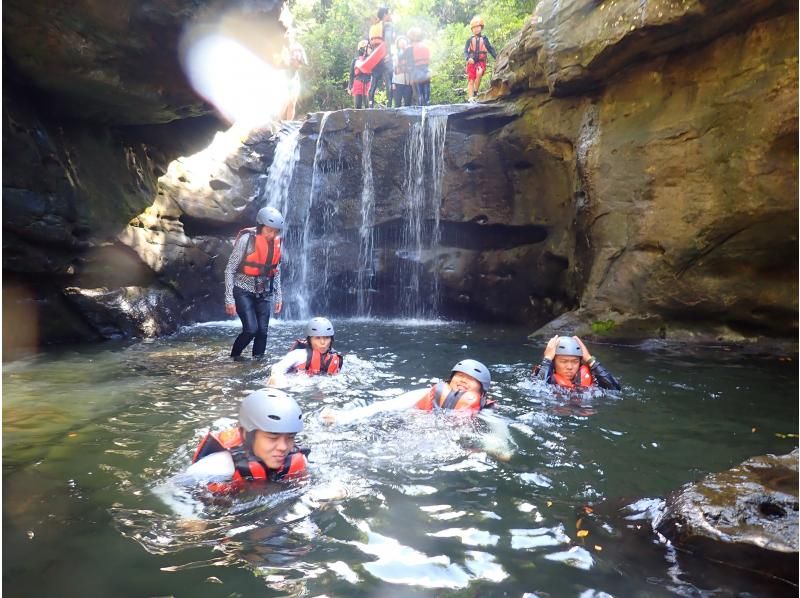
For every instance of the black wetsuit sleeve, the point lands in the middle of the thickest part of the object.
(466, 49)
(543, 370)
(603, 377)
(489, 47)
(352, 74)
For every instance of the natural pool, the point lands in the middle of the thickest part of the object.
(419, 509)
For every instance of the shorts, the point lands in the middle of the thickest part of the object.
(360, 88)
(472, 70)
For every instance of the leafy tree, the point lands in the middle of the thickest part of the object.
(330, 32)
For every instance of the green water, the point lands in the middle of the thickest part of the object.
(90, 435)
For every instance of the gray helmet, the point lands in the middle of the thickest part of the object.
(270, 410)
(319, 327)
(475, 369)
(567, 345)
(271, 217)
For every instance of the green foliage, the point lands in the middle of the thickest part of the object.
(330, 32)
(603, 326)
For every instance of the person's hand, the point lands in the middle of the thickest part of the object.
(328, 416)
(278, 307)
(479, 71)
(349, 91)
(230, 309)
(471, 61)
(586, 356)
(550, 349)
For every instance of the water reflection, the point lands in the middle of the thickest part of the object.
(410, 503)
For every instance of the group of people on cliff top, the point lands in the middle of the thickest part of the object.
(401, 64)
(262, 447)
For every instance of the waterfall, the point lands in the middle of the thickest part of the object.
(424, 156)
(365, 248)
(301, 288)
(279, 176)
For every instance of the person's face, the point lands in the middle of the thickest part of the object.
(387, 16)
(321, 343)
(272, 448)
(269, 232)
(567, 366)
(476, 30)
(465, 382)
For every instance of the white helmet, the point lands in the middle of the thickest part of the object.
(476, 369)
(567, 345)
(271, 410)
(270, 217)
(319, 327)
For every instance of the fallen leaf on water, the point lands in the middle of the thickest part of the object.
(753, 430)
(578, 523)
(587, 509)
(598, 548)
(549, 503)
(72, 434)
(582, 533)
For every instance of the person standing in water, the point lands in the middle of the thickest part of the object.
(314, 355)
(253, 280)
(568, 364)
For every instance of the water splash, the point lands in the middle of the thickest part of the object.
(366, 244)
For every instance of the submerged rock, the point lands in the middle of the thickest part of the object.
(746, 516)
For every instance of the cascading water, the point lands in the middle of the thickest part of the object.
(279, 176)
(366, 244)
(424, 155)
(301, 289)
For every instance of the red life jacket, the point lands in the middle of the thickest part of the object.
(584, 378)
(421, 54)
(247, 466)
(441, 396)
(317, 363)
(477, 49)
(261, 256)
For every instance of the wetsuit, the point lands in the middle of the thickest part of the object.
(252, 296)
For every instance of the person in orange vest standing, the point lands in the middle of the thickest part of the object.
(477, 48)
(253, 279)
(380, 32)
(568, 364)
(420, 67)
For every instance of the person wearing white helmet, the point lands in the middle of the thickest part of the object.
(568, 364)
(476, 50)
(261, 448)
(313, 355)
(464, 391)
(253, 279)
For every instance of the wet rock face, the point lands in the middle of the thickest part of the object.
(686, 152)
(747, 515)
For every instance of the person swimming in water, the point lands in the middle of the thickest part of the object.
(465, 390)
(567, 363)
(314, 355)
(260, 449)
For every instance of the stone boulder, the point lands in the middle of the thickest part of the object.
(746, 516)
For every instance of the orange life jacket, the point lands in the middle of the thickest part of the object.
(421, 54)
(247, 466)
(441, 396)
(317, 363)
(584, 377)
(261, 256)
(477, 49)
